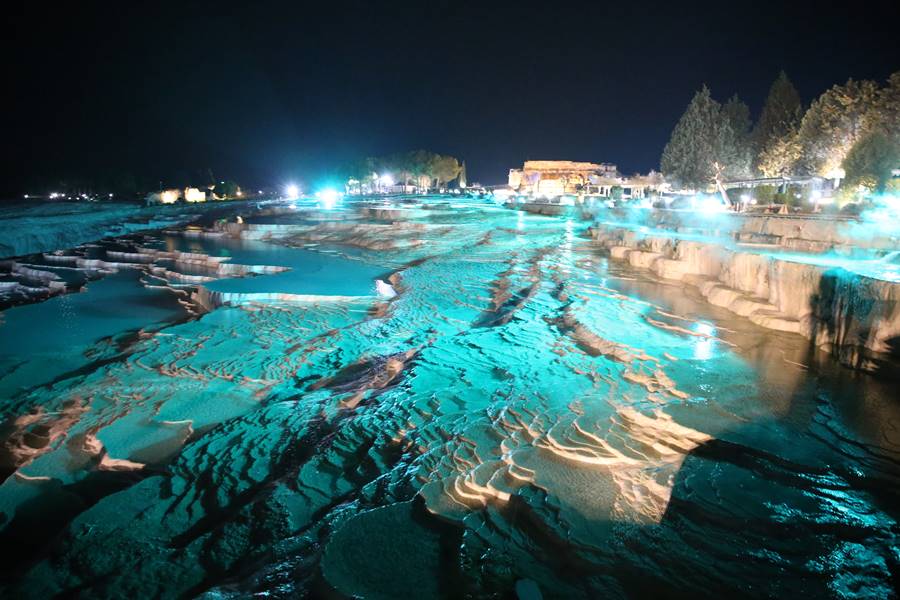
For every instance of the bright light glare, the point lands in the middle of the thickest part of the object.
(292, 192)
(329, 197)
(386, 179)
(708, 204)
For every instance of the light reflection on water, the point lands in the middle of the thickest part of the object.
(703, 349)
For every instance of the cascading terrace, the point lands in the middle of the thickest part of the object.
(520, 414)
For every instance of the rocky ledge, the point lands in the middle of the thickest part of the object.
(848, 307)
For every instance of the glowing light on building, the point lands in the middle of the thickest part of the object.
(194, 195)
(292, 192)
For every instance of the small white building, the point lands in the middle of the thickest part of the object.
(626, 188)
(401, 188)
(194, 195)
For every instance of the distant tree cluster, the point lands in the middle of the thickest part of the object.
(424, 168)
(854, 127)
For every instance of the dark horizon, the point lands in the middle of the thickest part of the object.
(264, 96)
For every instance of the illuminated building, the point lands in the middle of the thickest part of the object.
(194, 195)
(556, 177)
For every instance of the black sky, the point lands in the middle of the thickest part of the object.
(267, 93)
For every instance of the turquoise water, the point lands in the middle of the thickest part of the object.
(523, 417)
(43, 341)
(876, 269)
(319, 271)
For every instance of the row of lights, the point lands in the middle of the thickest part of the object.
(54, 195)
(291, 191)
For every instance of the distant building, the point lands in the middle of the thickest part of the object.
(400, 188)
(553, 178)
(194, 195)
(557, 177)
(626, 188)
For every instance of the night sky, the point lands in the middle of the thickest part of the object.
(265, 94)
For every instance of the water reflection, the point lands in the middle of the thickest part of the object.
(706, 343)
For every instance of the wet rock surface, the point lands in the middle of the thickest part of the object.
(850, 307)
(523, 416)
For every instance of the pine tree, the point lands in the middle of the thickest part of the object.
(872, 159)
(737, 115)
(687, 156)
(780, 158)
(834, 123)
(704, 145)
(779, 119)
(875, 154)
(888, 106)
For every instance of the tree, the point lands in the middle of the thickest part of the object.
(402, 165)
(228, 189)
(872, 159)
(687, 157)
(420, 166)
(704, 147)
(423, 167)
(779, 119)
(737, 115)
(444, 169)
(780, 158)
(887, 106)
(360, 172)
(834, 123)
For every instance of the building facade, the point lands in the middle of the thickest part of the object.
(557, 177)
(553, 178)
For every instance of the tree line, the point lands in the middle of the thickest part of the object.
(421, 167)
(853, 127)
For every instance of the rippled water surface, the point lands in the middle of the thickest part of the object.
(524, 417)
